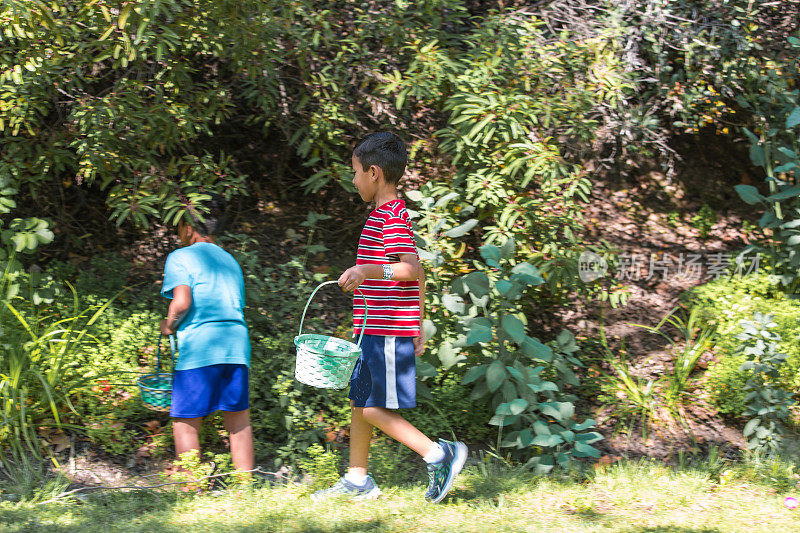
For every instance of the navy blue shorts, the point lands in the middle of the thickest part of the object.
(201, 391)
(385, 374)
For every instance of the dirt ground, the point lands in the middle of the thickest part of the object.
(648, 217)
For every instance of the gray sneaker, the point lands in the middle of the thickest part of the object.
(344, 489)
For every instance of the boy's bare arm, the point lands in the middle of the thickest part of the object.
(419, 341)
(408, 269)
(181, 302)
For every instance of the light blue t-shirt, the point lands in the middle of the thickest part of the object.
(213, 330)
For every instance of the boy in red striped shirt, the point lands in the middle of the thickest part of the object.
(388, 273)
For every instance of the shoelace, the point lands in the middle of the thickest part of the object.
(433, 469)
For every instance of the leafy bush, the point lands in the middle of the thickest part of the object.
(479, 321)
(729, 301)
(322, 466)
(767, 404)
(704, 220)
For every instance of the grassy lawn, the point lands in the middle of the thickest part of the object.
(634, 497)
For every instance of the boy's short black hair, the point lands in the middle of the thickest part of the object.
(384, 150)
(214, 218)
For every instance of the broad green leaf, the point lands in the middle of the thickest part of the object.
(478, 332)
(543, 386)
(414, 196)
(542, 464)
(473, 374)
(526, 273)
(504, 409)
(463, 229)
(453, 303)
(750, 427)
(429, 328)
(557, 410)
(548, 441)
(514, 327)
(458, 286)
(477, 283)
(536, 350)
(525, 438)
(502, 286)
(794, 118)
(448, 355)
(767, 220)
(586, 424)
(566, 409)
(508, 248)
(589, 438)
(749, 194)
(479, 390)
(518, 406)
(495, 375)
(491, 255)
(444, 200)
(750, 135)
(785, 194)
(515, 373)
(757, 155)
(541, 428)
(584, 450)
(425, 369)
(512, 439)
(501, 420)
(550, 409)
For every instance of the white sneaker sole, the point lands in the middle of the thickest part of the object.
(373, 494)
(458, 464)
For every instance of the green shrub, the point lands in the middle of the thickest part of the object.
(704, 220)
(322, 466)
(725, 384)
(444, 409)
(767, 403)
(392, 464)
(728, 301)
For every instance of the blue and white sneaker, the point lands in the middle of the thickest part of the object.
(442, 474)
(345, 489)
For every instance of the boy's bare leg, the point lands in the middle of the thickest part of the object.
(360, 437)
(241, 434)
(187, 434)
(397, 427)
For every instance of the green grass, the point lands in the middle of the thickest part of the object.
(631, 497)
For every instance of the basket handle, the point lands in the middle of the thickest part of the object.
(363, 324)
(158, 352)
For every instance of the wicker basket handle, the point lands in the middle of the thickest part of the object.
(158, 352)
(363, 324)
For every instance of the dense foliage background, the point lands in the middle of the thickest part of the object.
(119, 117)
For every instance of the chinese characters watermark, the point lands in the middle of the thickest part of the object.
(686, 267)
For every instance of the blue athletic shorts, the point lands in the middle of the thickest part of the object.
(201, 391)
(385, 374)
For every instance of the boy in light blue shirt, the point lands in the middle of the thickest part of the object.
(206, 288)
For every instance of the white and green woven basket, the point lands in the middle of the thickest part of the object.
(323, 361)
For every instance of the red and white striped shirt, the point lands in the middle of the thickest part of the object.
(393, 305)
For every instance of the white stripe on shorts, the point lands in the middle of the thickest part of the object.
(391, 373)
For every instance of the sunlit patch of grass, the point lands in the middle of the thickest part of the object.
(631, 496)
